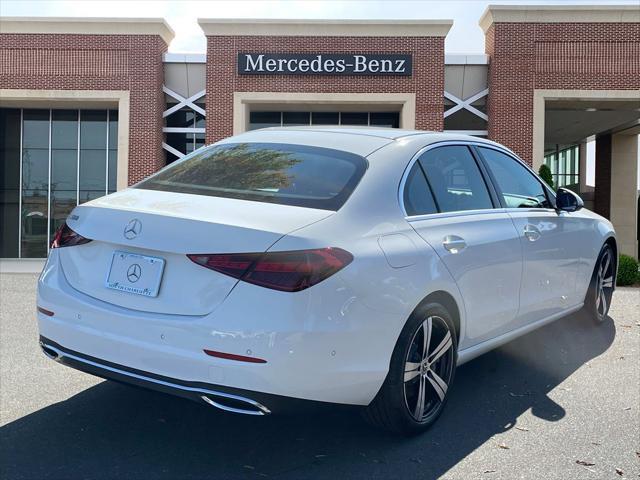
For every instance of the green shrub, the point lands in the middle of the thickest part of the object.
(627, 270)
(545, 174)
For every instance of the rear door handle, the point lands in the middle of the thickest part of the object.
(453, 243)
(531, 232)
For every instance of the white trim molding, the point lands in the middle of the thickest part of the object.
(324, 28)
(170, 149)
(78, 99)
(183, 102)
(169, 57)
(88, 26)
(558, 14)
(242, 101)
(463, 59)
(183, 130)
(466, 104)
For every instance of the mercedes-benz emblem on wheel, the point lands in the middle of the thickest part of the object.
(134, 273)
(133, 229)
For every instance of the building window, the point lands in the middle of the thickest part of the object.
(565, 166)
(52, 161)
(184, 124)
(287, 119)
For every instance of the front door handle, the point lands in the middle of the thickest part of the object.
(531, 232)
(453, 243)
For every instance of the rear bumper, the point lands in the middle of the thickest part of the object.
(313, 348)
(229, 399)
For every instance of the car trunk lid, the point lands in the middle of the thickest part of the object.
(143, 224)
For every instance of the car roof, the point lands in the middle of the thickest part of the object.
(359, 140)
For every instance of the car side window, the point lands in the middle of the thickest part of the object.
(455, 179)
(517, 186)
(417, 196)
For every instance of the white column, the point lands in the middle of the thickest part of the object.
(624, 191)
(582, 166)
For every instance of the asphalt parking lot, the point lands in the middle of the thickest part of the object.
(562, 402)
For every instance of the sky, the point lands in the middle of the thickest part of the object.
(464, 37)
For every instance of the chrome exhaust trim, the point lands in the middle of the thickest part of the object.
(261, 409)
(50, 352)
(258, 409)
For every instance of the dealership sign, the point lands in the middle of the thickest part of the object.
(323, 64)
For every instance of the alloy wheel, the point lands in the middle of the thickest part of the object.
(428, 368)
(604, 285)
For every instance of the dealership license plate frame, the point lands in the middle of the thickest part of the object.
(149, 269)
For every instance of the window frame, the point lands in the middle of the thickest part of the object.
(489, 184)
(551, 199)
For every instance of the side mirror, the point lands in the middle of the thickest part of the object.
(568, 201)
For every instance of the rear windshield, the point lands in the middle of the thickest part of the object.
(265, 172)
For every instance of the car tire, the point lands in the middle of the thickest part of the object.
(600, 292)
(397, 406)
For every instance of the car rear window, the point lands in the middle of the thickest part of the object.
(297, 175)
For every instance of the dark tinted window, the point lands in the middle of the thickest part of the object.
(93, 157)
(354, 118)
(113, 129)
(9, 181)
(64, 129)
(384, 119)
(519, 188)
(325, 118)
(455, 179)
(93, 129)
(265, 172)
(264, 120)
(417, 196)
(35, 132)
(93, 174)
(185, 118)
(295, 118)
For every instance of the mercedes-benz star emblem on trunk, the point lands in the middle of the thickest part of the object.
(133, 229)
(134, 272)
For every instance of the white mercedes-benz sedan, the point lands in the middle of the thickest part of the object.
(342, 265)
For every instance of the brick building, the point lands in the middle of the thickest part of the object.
(88, 106)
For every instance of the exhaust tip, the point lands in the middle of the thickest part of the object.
(236, 404)
(49, 352)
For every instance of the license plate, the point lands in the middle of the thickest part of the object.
(133, 273)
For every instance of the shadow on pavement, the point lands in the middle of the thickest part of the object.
(114, 431)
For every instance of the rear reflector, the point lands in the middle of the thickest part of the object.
(290, 271)
(46, 312)
(231, 356)
(66, 237)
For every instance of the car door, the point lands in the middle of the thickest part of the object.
(548, 237)
(455, 212)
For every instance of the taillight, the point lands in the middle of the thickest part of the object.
(65, 237)
(286, 271)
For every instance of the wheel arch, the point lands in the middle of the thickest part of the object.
(613, 243)
(448, 301)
